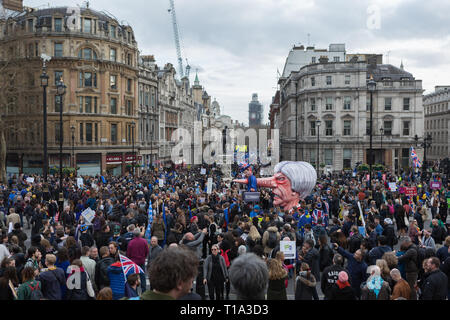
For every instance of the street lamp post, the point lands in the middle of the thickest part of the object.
(132, 141)
(371, 86)
(426, 144)
(60, 91)
(318, 123)
(72, 129)
(382, 153)
(44, 83)
(151, 149)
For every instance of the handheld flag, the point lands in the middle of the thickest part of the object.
(103, 180)
(414, 158)
(190, 213)
(129, 267)
(165, 223)
(150, 221)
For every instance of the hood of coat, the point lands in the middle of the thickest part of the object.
(273, 229)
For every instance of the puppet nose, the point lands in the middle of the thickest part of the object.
(266, 182)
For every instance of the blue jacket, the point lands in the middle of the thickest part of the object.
(302, 221)
(251, 183)
(253, 213)
(377, 253)
(357, 270)
(116, 280)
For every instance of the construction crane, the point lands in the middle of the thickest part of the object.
(177, 42)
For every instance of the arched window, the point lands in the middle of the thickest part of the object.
(87, 53)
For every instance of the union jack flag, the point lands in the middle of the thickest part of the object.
(415, 159)
(129, 267)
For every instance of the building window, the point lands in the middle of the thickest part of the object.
(347, 103)
(87, 53)
(368, 127)
(58, 76)
(89, 132)
(58, 50)
(112, 32)
(57, 103)
(87, 25)
(336, 59)
(347, 128)
(328, 80)
(30, 25)
(347, 79)
(387, 125)
(406, 128)
(387, 104)
(406, 104)
(313, 60)
(313, 104)
(113, 106)
(313, 81)
(57, 132)
(368, 102)
(312, 157)
(129, 111)
(113, 81)
(87, 79)
(347, 159)
(329, 127)
(113, 54)
(129, 85)
(87, 107)
(81, 133)
(329, 104)
(58, 24)
(328, 157)
(114, 133)
(312, 124)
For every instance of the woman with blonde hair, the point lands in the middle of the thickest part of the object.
(253, 238)
(277, 275)
(385, 272)
(281, 258)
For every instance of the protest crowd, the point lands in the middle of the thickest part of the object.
(166, 234)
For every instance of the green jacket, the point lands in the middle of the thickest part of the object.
(24, 291)
(151, 295)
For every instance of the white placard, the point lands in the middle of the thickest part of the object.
(209, 186)
(88, 215)
(30, 179)
(288, 248)
(202, 171)
(80, 182)
(392, 186)
(161, 183)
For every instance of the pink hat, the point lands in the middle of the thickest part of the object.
(343, 276)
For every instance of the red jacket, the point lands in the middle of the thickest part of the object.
(137, 250)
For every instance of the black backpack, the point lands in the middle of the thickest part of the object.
(36, 293)
(272, 241)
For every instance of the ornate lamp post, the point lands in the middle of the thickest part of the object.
(371, 87)
(61, 91)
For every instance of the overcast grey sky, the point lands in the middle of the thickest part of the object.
(238, 45)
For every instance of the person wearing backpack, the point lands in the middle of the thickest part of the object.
(30, 289)
(410, 259)
(270, 240)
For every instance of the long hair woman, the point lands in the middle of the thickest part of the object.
(277, 276)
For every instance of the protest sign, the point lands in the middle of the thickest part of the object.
(209, 186)
(288, 248)
(88, 215)
(392, 186)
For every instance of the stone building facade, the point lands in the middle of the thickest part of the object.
(336, 94)
(437, 122)
(96, 57)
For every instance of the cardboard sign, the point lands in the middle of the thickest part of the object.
(288, 248)
(88, 215)
(410, 191)
(30, 180)
(393, 186)
(202, 171)
(209, 186)
(80, 182)
(161, 183)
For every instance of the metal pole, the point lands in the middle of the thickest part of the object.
(318, 157)
(61, 137)
(45, 160)
(370, 152)
(132, 139)
(296, 122)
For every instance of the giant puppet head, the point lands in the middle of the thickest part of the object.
(292, 181)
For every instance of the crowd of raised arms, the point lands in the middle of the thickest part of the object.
(352, 242)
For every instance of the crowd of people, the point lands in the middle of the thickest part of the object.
(355, 239)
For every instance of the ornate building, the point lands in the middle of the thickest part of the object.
(96, 57)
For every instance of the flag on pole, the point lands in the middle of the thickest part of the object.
(414, 158)
(129, 267)
(103, 180)
(150, 221)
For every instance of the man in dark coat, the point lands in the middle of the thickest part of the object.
(436, 283)
(411, 267)
(101, 268)
(356, 267)
(377, 252)
(310, 255)
(331, 274)
(52, 280)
